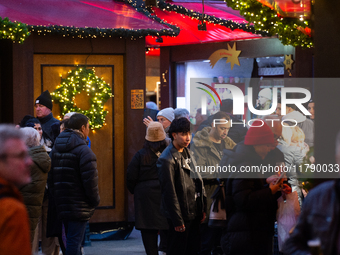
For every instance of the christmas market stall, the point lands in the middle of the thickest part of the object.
(91, 57)
(231, 41)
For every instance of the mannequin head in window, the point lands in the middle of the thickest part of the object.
(220, 79)
(264, 98)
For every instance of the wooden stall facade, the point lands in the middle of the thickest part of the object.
(30, 68)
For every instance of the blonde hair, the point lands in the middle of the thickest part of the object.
(297, 134)
(287, 134)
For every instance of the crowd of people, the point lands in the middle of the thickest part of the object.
(164, 177)
(48, 182)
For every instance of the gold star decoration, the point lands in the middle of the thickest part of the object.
(231, 53)
(288, 62)
(233, 58)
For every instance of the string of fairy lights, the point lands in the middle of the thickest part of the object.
(290, 31)
(88, 32)
(264, 21)
(82, 80)
(18, 32)
(15, 31)
(133, 34)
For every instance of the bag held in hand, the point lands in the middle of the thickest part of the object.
(218, 214)
(287, 215)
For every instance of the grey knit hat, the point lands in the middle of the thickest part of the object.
(167, 113)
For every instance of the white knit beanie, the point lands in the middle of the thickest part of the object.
(267, 93)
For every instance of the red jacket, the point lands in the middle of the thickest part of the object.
(14, 226)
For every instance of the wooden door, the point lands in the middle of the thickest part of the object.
(108, 142)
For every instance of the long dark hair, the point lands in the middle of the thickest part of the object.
(153, 147)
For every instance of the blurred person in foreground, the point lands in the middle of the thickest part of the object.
(15, 165)
(73, 181)
(319, 220)
(33, 193)
(183, 195)
(251, 200)
(143, 182)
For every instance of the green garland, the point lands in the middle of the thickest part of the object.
(144, 10)
(266, 19)
(77, 32)
(88, 32)
(15, 31)
(212, 19)
(83, 80)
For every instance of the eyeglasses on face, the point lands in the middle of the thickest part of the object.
(22, 155)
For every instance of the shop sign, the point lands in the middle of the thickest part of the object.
(137, 99)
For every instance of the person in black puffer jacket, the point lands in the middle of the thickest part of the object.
(73, 180)
(251, 203)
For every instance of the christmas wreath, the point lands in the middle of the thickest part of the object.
(83, 80)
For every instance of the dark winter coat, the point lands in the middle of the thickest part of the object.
(206, 154)
(178, 188)
(33, 193)
(143, 182)
(50, 127)
(14, 228)
(73, 180)
(273, 157)
(250, 205)
(237, 132)
(319, 219)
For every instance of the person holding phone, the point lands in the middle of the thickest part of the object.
(251, 200)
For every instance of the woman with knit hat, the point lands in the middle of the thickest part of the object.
(142, 181)
(251, 201)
